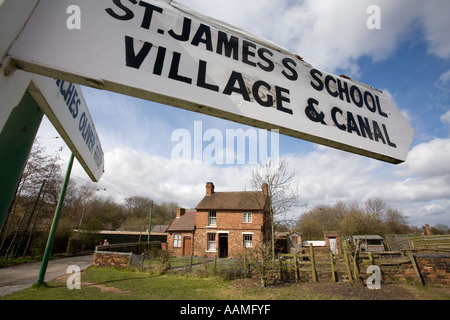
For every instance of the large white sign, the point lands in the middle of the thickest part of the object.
(165, 52)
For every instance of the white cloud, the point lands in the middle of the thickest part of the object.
(436, 25)
(445, 78)
(427, 160)
(445, 118)
(332, 35)
(130, 172)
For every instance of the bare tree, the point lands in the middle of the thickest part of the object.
(260, 260)
(283, 196)
(40, 166)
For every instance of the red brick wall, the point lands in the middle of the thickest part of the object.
(112, 259)
(178, 251)
(230, 222)
(434, 267)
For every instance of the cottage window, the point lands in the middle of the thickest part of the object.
(247, 217)
(177, 240)
(248, 241)
(211, 242)
(212, 218)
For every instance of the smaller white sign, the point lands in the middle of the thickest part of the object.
(64, 104)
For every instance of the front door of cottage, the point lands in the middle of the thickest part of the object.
(187, 246)
(223, 245)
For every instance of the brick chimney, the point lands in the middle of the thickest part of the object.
(209, 188)
(427, 229)
(180, 212)
(265, 189)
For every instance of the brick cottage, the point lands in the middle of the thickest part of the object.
(223, 224)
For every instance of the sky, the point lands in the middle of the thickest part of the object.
(407, 56)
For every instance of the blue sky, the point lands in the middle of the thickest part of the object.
(408, 58)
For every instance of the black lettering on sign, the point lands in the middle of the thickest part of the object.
(270, 65)
(365, 127)
(370, 106)
(341, 126)
(230, 47)
(173, 73)
(387, 137)
(312, 113)
(149, 8)
(201, 78)
(378, 135)
(377, 100)
(359, 102)
(351, 124)
(247, 52)
(203, 35)
(255, 90)
(236, 78)
(134, 60)
(343, 90)
(127, 13)
(289, 64)
(319, 85)
(327, 86)
(185, 32)
(280, 98)
(159, 62)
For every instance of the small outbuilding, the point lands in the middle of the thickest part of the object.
(369, 243)
(288, 242)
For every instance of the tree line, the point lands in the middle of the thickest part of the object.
(373, 216)
(288, 212)
(26, 227)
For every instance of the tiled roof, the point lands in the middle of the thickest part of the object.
(243, 200)
(185, 223)
(160, 228)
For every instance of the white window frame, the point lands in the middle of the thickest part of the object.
(247, 217)
(177, 240)
(212, 220)
(248, 240)
(211, 242)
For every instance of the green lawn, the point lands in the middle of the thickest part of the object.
(110, 283)
(122, 284)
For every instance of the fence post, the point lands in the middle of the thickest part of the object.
(416, 269)
(371, 258)
(215, 264)
(347, 265)
(356, 274)
(333, 273)
(313, 263)
(297, 275)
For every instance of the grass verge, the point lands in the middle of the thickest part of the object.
(121, 284)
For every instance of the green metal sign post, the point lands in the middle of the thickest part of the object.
(16, 140)
(51, 236)
(150, 222)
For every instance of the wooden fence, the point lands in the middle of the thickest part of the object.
(346, 266)
(436, 242)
